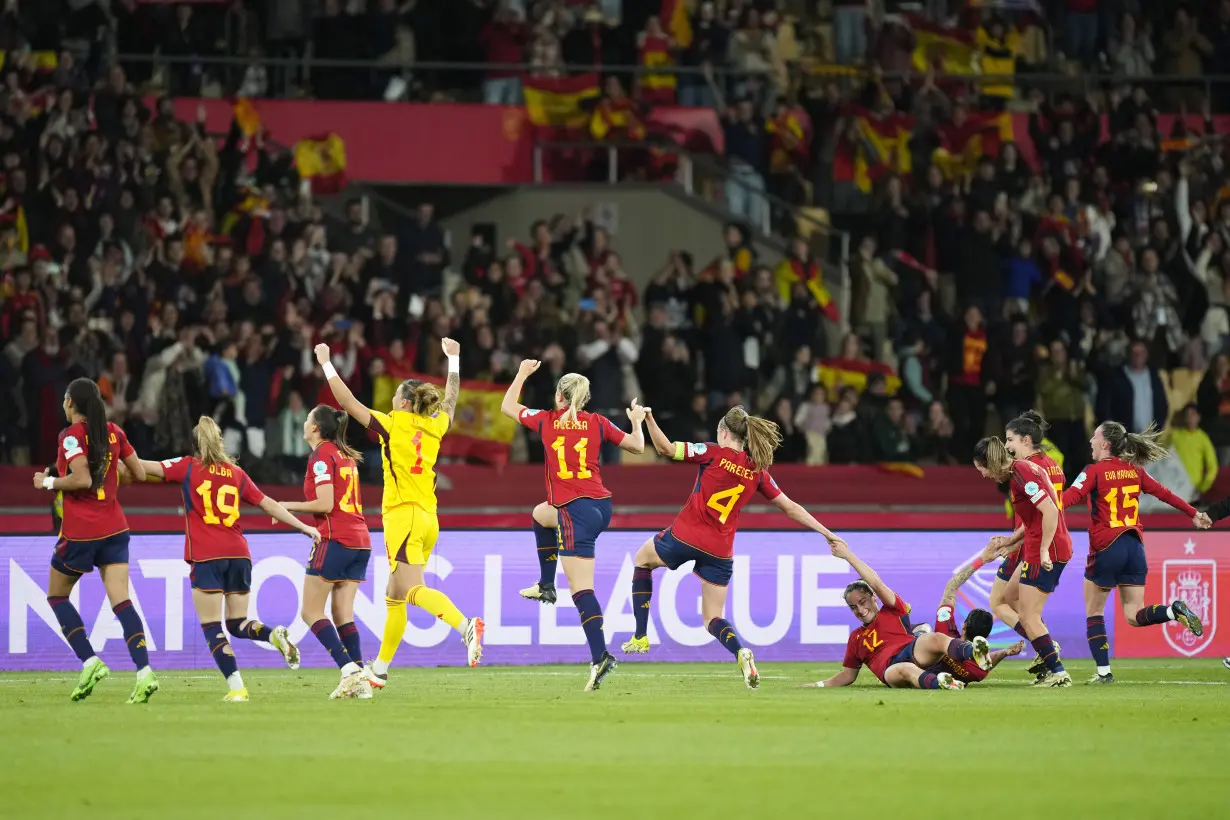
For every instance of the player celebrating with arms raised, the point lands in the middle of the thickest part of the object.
(1116, 549)
(1047, 548)
(578, 506)
(410, 443)
(885, 642)
(338, 564)
(215, 547)
(704, 531)
(93, 533)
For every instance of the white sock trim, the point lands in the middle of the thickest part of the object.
(1103, 670)
(235, 681)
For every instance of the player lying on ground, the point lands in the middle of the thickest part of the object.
(885, 643)
(977, 624)
(1117, 559)
(704, 531)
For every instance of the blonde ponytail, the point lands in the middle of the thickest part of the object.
(575, 389)
(993, 455)
(1136, 448)
(422, 398)
(760, 437)
(209, 446)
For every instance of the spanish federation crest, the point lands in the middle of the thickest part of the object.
(1194, 582)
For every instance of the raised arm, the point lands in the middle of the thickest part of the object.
(634, 442)
(1162, 493)
(661, 443)
(1080, 489)
(452, 383)
(842, 550)
(341, 392)
(795, 512)
(280, 513)
(511, 407)
(965, 573)
(845, 677)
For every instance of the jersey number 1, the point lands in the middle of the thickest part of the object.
(731, 497)
(227, 501)
(561, 454)
(352, 499)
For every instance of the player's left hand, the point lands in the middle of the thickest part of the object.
(636, 413)
(1046, 563)
(38, 479)
(1016, 648)
(314, 534)
(322, 353)
(1202, 521)
(840, 549)
(451, 347)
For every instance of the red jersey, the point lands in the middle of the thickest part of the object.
(211, 507)
(572, 452)
(1116, 486)
(1043, 460)
(92, 514)
(725, 480)
(876, 643)
(966, 671)
(346, 524)
(1030, 486)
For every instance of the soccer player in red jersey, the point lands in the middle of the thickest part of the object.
(1116, 547)
(578, 506)
(338, 564)
(1047, 548)
(729, 472)
(213, 485)
(886, 644)
(93, 533)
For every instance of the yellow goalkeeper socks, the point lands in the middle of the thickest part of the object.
(435, 602)
(394, 629)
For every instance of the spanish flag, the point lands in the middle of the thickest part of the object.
(246, 117)
(791, 140)
(902, 468)
(789, 271)
(674, 17)
(980, 135)
(560, 101)
(657, 89)
(40, 61)
(947, 50)
(618, 116)
(323, 161)
(479, 431)
(838, 373)
(885, 146)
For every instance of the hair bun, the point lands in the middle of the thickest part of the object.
(1036, 418)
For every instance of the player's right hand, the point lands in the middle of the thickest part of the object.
(840, 549)
(322, 353)
(314, 534)
(1016, 648)
(528, 366)
(451, 347)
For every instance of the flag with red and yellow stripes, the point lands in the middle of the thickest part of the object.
(837, 373)
(479, 429)
(246, 116)
(885, 146)
(979, 135)
(322, 160)
(675, 20)
(947, 50)
(560, 101)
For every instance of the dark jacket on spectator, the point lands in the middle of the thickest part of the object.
(1116, 396)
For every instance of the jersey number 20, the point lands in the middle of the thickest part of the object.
(227, 503)
(352, 499)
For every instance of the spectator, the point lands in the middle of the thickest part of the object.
(849, 31)
(291, 419)
(1186, 50)
(935, 440)
(118, 388)
(871, 280)
(503, 40)
(746, 154)
(794, 442)
(815, 419)
(1131, 50)
(848, 436)
(424, 244)
(967, 390)
(1195, 449)
(1012, 370)
(892, 434)
(1133, 394)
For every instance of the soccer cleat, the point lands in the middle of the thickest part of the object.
(1184, 615)
(90, 676)
(636, 646)
(281, 642)
(236, 696)
(982, 653)
(348, 687)
(1225, 662)
(364, 691)
(1107, 678)
(1059, 680)
(543, 593)
(1038, 666)
(599, 670)
(472, 636)
(1043, 678)
(376, 681)
(145, 688)
(747, 664)
(947, 681)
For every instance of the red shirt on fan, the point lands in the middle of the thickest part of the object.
(346, 524)
(91, 514)
(572, 452)
(211, 507)
(876, 643)
(1030, 486)
(725, 482)
(1116, 486)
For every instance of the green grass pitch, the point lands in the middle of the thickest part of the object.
(670, 741)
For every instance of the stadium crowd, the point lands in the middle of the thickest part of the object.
(1088, 282)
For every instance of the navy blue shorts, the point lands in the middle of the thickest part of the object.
(80, 557)
(904, 655)
(230, 576)
(710, 569)
(1123, 563)
(1033, 575)
(1008, 567)
(335, 562)
(581, 521)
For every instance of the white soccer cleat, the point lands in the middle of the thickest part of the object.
(747, 664)
(374, 680)
(349, 686)
(281, 642)
(472, 636)
(1059, 680)
(982, 653)
(947, 681)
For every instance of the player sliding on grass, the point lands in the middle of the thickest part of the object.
(885, 643)
(1116, 548)
(704, 531)
(215, 548)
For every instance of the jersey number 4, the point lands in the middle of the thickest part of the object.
(561, 455)
(725, 501)
(352, 499)
(227, 502)
(1129, 500)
